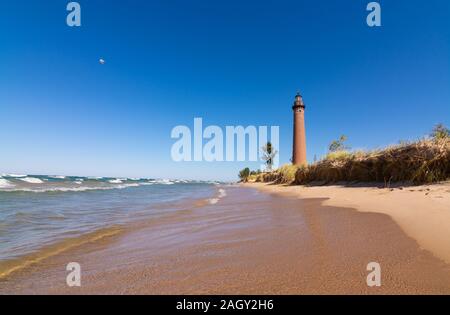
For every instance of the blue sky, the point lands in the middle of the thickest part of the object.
(229, 62)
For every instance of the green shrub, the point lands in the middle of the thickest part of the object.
(244, 174)
(286, 174)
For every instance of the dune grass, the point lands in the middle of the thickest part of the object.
(421, 162)
(283, 175)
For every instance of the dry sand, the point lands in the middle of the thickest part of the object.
(423, 212)
(248, 243)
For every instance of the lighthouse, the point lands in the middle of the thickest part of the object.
(299, 149)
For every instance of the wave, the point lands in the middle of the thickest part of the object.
(11, 266)
(213, 201)
(179, 181)
(5, 184)
(57, 176)
(221, 193)
(161, 181)
(116, 181)
(71, 189)
(37, 220)
(14, 175)
(47, 183)
(32, 180)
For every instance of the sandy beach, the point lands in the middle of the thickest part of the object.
(423, 212)
(252, 242)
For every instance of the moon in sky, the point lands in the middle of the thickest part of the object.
(102, 61)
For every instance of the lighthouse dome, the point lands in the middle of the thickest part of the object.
(299, 101)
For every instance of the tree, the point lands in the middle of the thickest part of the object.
(440, 132)
(244, 174)
(339, 145)
(269, 154)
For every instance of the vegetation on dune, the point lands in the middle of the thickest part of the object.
(339, 145)
(425, 161)
(286, 174)
(254, 173)
(420, 162)
(338, 155)
(244, 174)
(283, 175)
(440, 132)
(269, 154)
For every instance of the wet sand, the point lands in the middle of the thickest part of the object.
(423, 212)
(249, 242)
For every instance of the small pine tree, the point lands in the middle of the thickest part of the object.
(339, 145)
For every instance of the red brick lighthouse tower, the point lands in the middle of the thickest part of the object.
(299, 150)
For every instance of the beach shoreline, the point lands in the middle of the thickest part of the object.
(423, 212)
(249, 242)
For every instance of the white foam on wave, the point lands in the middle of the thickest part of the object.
(161, 182)
(5, 184)
(57, 176)
(179, 181)
(14, 175)
(72, 189)
(32, 180)
(221, 193)
(213, 201)
(116, 181)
